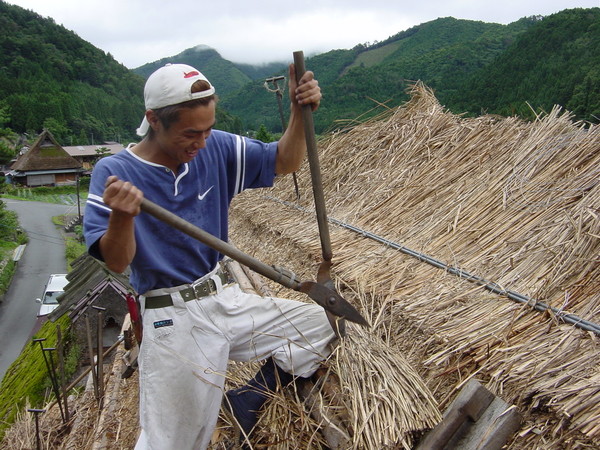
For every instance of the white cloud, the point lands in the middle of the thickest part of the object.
(279, 39)
(136, 32)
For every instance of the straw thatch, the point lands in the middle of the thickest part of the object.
(514, 202)
(351, 405)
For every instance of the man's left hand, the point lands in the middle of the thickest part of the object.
(307, 91)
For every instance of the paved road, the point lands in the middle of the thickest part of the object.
(44, 254)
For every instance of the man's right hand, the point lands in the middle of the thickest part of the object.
(122, 196)
(117, 245)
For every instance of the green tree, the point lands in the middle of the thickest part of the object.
(263, 135)
(4, 120)
(9, 224)
(4, 114)
(101, 152)
(6, 153)
(58, 129)
(586, 97)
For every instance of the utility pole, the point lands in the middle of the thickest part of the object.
(78, 197)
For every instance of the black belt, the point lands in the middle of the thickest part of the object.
(204, 289)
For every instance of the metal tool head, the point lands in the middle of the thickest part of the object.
(332, 302)
(275, 79)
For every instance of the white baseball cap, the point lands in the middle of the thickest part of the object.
(171, 85)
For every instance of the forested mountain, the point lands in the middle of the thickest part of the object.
(261, 71)
(231, 77)
(556, 62)
(49, 77)
(213, 66)
(443, 53)
(474, 67)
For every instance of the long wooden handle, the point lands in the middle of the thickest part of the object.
(315, 170)
(221, 246)
(324, 296)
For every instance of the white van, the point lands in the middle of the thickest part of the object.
(55, 286)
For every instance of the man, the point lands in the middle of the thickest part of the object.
(194, 320)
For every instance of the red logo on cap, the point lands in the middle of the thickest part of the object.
(191, 74)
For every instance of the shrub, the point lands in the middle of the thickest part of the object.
(6, 275)
(9, 224)
(74, 249)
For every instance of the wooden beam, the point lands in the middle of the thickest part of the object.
(475, 420)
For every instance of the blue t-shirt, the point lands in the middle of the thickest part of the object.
(200, 194)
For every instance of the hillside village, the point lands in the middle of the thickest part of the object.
(508, 211)
(47, 163)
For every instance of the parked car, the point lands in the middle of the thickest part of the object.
(55, 286)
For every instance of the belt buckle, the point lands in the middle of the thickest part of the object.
(205, 288)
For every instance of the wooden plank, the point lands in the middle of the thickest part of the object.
(235, 270)
(466, 408)
(494, 429)
(475, 420)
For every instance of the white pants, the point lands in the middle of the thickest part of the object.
(186, 347)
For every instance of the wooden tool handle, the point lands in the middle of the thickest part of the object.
(313, 160)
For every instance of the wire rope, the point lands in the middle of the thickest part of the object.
(489, 285)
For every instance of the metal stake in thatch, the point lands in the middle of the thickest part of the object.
(61, 371)
(93, 367)
(52, 374)
(36, 413)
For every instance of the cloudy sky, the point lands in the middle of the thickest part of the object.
(136, 32)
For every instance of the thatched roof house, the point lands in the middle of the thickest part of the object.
(92, 284)
(45, 163)
(512, 203)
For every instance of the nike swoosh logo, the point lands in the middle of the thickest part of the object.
(201, 196)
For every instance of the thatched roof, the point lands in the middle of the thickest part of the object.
(509, 201)
(45, 154)
(91, 282)
(513, 202)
